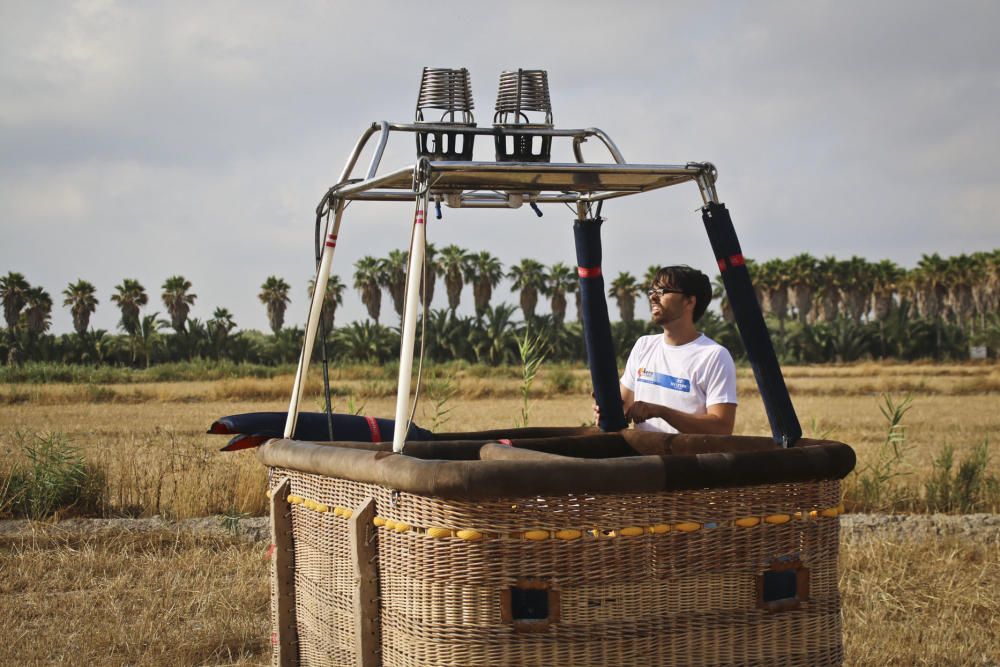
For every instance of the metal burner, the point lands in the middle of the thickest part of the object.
(450, 92)
(521, 92)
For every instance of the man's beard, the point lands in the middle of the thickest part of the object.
(662, 316)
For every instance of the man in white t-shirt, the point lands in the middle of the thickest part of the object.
(681, 381)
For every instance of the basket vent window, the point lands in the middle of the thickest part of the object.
(529, 604)
(783, 586)
(780, 586)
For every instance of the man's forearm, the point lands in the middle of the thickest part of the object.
(687, 423)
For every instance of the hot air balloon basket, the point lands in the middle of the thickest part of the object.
(366, 573)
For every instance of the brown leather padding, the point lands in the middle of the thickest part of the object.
(494, 451)
(725, 461)
(530, 432)
(648, 442)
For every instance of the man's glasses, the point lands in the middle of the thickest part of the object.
(657, 292)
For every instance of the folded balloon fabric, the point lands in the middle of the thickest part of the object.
(254, 428)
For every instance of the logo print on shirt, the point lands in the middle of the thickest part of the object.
(664, 380)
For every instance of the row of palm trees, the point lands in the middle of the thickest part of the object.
(483, 271)
(963, 289)
(962, 292)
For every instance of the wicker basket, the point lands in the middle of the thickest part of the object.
(403, 561)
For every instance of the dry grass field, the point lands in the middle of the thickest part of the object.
(149, 440)
(176, 598)
(167, 598)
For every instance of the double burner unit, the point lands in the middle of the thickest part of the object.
(522, 173)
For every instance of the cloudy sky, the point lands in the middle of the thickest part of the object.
(145, 139)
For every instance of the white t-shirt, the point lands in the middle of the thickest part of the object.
(687, 377)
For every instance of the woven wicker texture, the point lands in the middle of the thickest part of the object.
(627, 595)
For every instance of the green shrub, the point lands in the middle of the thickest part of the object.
(874, 486)
(968, 489)
(49, 475)
(562, 380)
(440, 392)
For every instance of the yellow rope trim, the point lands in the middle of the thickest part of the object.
(569, 534)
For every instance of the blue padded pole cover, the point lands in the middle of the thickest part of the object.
(597, 325)
(785, 427)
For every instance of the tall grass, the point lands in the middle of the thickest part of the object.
(532, 350)
(45, 475)
(968, 489)
(881, 484)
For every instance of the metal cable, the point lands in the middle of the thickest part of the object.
(328, 408)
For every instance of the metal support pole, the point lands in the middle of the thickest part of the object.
(413, 274)
(319, 292)
(785, 428)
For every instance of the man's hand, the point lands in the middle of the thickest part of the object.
(640, 411)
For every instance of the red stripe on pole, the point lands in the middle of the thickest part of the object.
(736, 260)
(722, 265)
(373, 427)
(588, 272)
(419, 219)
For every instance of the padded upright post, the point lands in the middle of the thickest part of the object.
(785, 427)
(597, 325)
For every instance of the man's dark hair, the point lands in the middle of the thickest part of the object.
(692, 281)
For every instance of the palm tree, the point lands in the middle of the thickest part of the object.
(367, 341)
(486, 271)
(368, 282)
(562, 279)
(453, 265)
(530, 278)
(802, 283)
(219, 328)
(624, 289)
(494, 341)
(648, 280)
(886, 279)
(334, 297)
(38, 310)
(979, 265)
(858, 280)
(393, 274)
(148, 338)
(992, 299)
(773, 278)
(274, 295)
(719, 292)
(130, 297)
(828, 273)
(429, 275)
(929, 281)
(177, 300)
(82, 302)
(13, 289)
(960, 278)
(97, 345)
